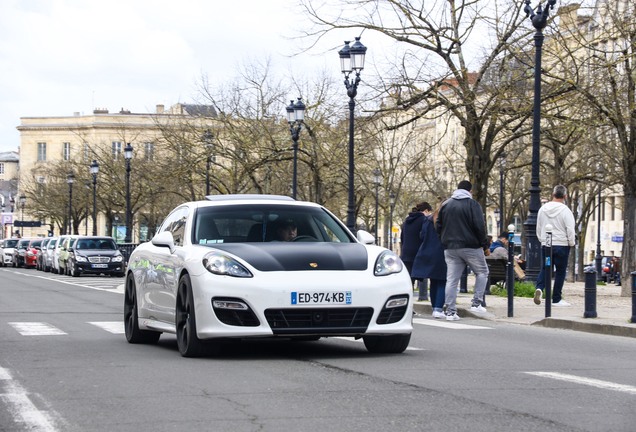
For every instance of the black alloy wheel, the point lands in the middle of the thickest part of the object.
(131, 319)
(188, 342)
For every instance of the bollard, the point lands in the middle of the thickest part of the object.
(510, 270)
(633, 320)
(547, 272)
(590, 294)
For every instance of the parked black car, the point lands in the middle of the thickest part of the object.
(95, 255)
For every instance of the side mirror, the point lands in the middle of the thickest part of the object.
(365, 237)
(164, 239)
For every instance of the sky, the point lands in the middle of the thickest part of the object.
(59, 57)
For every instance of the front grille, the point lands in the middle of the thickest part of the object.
(319, 320)
(98, 259)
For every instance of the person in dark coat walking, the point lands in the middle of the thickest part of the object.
(430, 264)
(410, 239)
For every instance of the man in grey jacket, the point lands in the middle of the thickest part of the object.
(561, 218)
(462, 230)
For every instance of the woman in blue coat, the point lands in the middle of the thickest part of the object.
(430, 263)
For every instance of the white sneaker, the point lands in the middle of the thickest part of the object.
(537, 296)
(561, 303)
(438, 314)
(478, 309)
(452, 317)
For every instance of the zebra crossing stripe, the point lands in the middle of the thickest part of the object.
(453, 325)
(114, 327)
(36, 329)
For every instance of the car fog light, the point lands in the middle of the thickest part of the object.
(228, 304)
(397, 302)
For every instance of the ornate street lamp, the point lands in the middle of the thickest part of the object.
(502, 167)
(70, 179)
(22, 204)
(392, 204)
(128, 154)
(533, 246)
(295, 118)
(352, 60)
(207, 139)
(599, 257)
(94, 168)
(497, 219)
(377, 178)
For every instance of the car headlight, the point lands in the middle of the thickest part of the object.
(117, 258)
(80, 258)
(220, 264)
(387, 263)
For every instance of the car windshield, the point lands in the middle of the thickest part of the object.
(258, 223)
(22, 244)
(96, 244)
(10, 243)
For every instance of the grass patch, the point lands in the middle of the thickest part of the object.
(522, 289)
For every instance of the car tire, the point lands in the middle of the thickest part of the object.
(393, 344)
(131, 319)
(188, 342)
(73, 270)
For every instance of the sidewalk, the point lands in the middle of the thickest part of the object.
(613, 311)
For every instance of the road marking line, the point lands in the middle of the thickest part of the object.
(607, 385)
(20, 406)
(453, 325)
(119, 289)
(350, 339)
(36, 329)
(114, 327)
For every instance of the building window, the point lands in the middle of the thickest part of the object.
(1, 167)
(41, 152)
(86, 152)
(66, 151)
(149, 151)
(117, 149)
(613, 208)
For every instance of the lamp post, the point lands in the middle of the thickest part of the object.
(295, 118)
(128, 154)
(533, 247)
(376, 181)
(94, 168)
(207, 138)
(352, 60)
(22, 204)
(502, 166)
(70, 179)
(497, 219)
(392, 204)
(599, 257)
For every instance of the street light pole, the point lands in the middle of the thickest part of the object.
(533, 246)
(207, 138)
(70, 178)
(94, 168)
(352, 60)
(22, 204)
(392, 204)
(502, 166)
(295, 118)
(599, 257)
(128, 154)
(376, 180)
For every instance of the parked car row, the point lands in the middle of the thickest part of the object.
(72, 255)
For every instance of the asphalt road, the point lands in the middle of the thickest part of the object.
(65, 366)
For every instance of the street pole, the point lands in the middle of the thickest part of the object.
(599, 257)
(22, 204)
(208, 143)
(70, 178)
(376, 180)
(352, 59)
(502, 213)
(392, 204)
(128, 152)
(94, 168)
(295, 118)
(533, 246)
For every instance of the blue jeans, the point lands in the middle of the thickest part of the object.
(560, 255)
(456, 262)
(438, 296)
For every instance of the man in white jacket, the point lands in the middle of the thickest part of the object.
(561, 218)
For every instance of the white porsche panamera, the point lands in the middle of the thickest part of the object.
(215, 271)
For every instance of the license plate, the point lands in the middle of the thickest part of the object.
(320, 298)
(99, 265)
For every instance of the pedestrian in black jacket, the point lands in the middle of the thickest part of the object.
(462, 230)
(410, 239)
